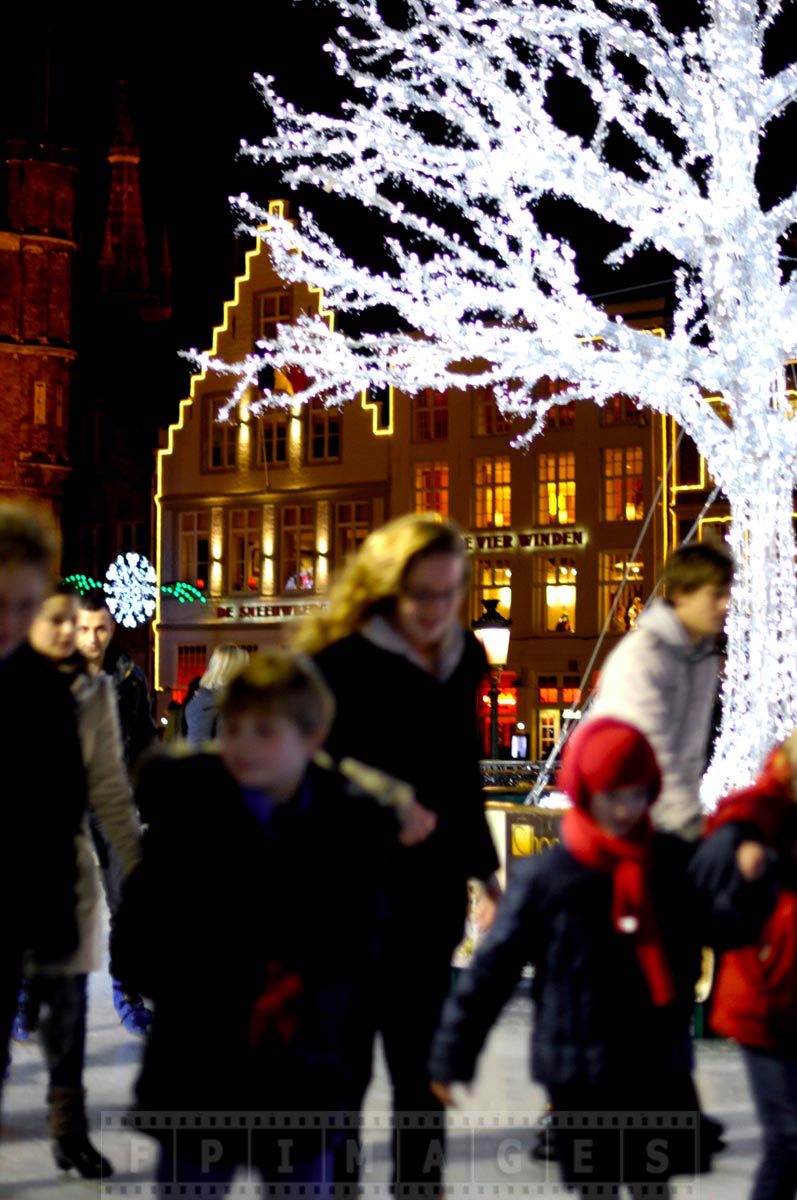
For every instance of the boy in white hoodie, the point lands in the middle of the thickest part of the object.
(663, 677)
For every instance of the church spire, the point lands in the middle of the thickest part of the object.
(124, 265)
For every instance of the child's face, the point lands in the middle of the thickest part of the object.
(53, 630)
(619, 812)
(703, 611)
(267, 752)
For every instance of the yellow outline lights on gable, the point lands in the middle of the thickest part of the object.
(373, 406)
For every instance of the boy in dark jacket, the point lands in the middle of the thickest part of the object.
(263, 872)
(613, 921)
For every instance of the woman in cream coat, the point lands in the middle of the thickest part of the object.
(59, 989)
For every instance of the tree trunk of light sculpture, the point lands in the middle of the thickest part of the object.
(451, 136)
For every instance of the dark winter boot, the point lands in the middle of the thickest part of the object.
(66, 1116)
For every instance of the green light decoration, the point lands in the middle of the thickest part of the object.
(186, 593)
(83, 583)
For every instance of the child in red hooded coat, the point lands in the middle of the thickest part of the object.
(613, 920)
(755, 995)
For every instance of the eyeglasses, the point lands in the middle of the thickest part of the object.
(427, 596)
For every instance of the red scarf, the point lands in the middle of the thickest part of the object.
(628, 862)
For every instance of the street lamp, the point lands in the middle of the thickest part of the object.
(492, 630)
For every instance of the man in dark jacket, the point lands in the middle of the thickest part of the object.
(94, 640)
(44, 799)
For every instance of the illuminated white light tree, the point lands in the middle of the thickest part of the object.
(451, 116)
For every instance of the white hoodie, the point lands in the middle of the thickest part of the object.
(660, 681)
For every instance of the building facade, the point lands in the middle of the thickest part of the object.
(257, 513)
(37, 255)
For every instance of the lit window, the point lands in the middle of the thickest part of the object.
(274, 308)
(323, 443)
(559, 598)
(622, 484)
(431, 487)
(222, 437)
(492, 580)
(621, 591)
(571, 689)
(492, 493)
(548, 689)
(547, 730)
(352, 526)
(557, 489)
(272, 441)
(194, 551)
(621, 410)
(192, 659)
(430, 416)
(297, 547)
(244, 550)
(488, 418)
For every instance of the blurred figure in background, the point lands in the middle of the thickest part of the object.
(42, 811)
(94, 640)
(57, 990)
(201, 711)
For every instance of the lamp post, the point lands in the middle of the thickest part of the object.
(492, 630)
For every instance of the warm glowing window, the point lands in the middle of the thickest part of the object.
(324, 425)
(272, 439)
(194, 550)
(297, 527)
(571, 689)
(560, 579)
(622, 484)
(547, 731)
(352, 526)
(621, 410)
(430, 416)
(431, 487)
(492, 493)
(548, 689)
(192, 659)
(561, 416)
(244, 550)
(622, 581)
(556, 494)
(274, 308)
(222, 439)
(492, 580)
(488, 418)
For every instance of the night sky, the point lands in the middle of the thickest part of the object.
(192, 100)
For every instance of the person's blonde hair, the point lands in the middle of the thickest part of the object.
(279, 683)
(372, 579)
(225, 661)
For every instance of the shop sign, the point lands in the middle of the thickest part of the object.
(285, 610)
(534, 539)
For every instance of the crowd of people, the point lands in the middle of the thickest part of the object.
(294, 794)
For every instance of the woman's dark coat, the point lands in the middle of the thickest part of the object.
(394, 715)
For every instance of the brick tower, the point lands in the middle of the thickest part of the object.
(37, 251)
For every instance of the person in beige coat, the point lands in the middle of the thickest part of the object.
(58, 990)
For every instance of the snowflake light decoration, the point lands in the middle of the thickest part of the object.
(131, 589)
